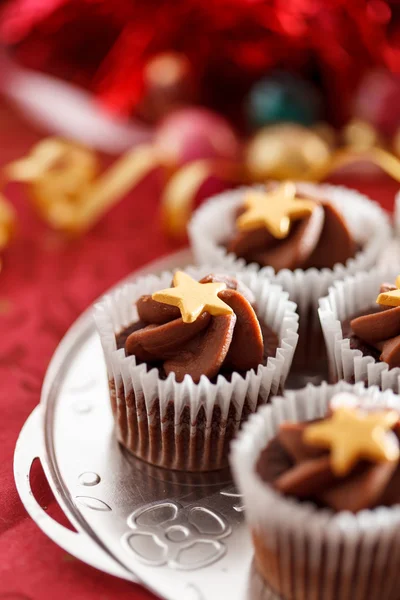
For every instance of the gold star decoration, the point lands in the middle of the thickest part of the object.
(353, 435)
(274, 210)
(390, 298)
(192, 298)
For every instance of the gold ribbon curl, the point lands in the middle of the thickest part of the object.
(381, 158)
(7, 223)
(178, 198)
(70, 193)
(65, 185)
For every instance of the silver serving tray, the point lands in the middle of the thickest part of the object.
(182, 536)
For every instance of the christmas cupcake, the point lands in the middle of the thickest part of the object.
(320, 474)
(304, 235)
(360, 320)
(189, 355)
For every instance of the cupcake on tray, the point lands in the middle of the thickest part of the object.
(304, 235)
(360, 319)
(189, 355)
(320, 474)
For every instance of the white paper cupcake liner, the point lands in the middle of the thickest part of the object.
(344, 300)
(214, 223)
(183, 425)
(305, 552)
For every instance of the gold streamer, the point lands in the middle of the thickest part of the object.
(180, 192)
(389, 163)
(67, 189)
(63, 181)
(122, 176)
(7, 223)
(58, 174)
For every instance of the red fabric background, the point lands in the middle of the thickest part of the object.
(45, 284)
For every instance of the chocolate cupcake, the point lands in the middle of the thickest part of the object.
(320, 474)
(304, 236)
(281, 228)
(360, 322)
(189, 356)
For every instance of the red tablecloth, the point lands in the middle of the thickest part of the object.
(45, 284)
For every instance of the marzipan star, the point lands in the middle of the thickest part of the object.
(390, 298)
(274, 210)
(193, 298)
(353, 435)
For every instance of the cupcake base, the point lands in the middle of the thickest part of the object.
(193, 446)
(267, 561)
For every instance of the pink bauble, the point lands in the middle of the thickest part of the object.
(190, 134)
(377, 101)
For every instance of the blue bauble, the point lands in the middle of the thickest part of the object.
(282, 97)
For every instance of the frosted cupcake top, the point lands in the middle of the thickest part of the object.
(196, 328)
(283, 229)
(348, 460)
(380, 326)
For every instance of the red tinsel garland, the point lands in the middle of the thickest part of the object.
(105, 45)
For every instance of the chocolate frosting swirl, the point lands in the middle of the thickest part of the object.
(298, 469)
(320, 240)
(205, 347)
(381, 330)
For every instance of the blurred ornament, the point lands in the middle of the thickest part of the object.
(326, 132)
(169, 83)
(196, 133)
(360, 135)
(105, 46)
(282, 97)
(377, 101)
(286, 151)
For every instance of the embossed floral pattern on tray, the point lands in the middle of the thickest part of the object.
(166, 533)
